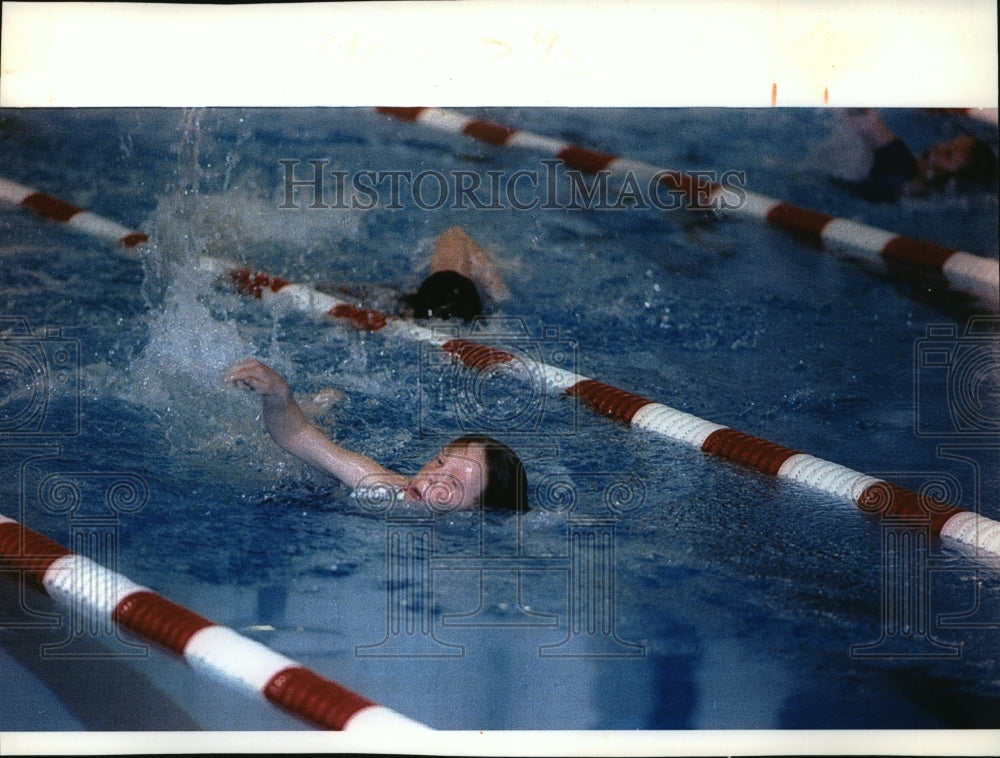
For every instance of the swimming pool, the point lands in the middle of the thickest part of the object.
(651, 586)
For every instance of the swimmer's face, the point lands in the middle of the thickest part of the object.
(452, 480)
(945, 158)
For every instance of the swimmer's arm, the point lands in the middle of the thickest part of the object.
(289, 428)
(487, 276)
(869, 126)
(311, 446)
(456, 251)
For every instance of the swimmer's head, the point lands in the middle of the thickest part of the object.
(964, 158)
(472, 470)
(444, 295)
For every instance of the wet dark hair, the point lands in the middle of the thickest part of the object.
(978, 170)
(980, 166)
(446, 294)
(506, 482)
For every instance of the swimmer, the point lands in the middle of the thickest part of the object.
(471, 470)
(894, 171)
(462, 275)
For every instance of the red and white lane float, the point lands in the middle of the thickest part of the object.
(891, 253)
(80, 584)
(54, 209)
(870, 494)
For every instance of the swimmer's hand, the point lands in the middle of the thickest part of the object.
(288, 427)
(253, 375)
(282, 415)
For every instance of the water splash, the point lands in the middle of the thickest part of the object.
(191, 340)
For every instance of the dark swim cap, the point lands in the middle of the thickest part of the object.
(446, 294)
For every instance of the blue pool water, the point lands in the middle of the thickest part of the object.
(738, 601)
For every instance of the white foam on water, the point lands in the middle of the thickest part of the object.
(188, 350)
(191, 338)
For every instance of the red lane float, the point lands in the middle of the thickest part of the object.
(54, 209)
(871, 495)
(892, 253)
(80, 584)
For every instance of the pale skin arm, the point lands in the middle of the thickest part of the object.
(456, 251)
(288, 427)
(869, 126)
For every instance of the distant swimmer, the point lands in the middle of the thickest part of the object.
(469, 471)
(881, 168)
(462, 276)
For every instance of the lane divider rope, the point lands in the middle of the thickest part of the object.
(54, 209)
(871, 495)
(868, 493)
(893, 254)
(84, 586)
(75, 581)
